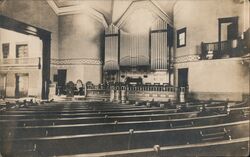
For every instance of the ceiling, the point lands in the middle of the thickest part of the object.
(113, 9)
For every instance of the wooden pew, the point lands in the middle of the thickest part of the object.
(117, 141)
(237, 113)
(234, 147)
(89, 120)
(74, 129)
(75, 115)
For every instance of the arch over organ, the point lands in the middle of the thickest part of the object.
(139, 47)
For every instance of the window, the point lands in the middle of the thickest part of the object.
(181, 37)
(5, 50)
(21, 50)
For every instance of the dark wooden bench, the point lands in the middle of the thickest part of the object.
(89, 120)
(234, 147)
(116, 126)
(131, 139)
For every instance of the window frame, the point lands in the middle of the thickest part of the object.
(22, 44)
(3, 50)
(179, 32)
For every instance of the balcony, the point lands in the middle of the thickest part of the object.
(21, 62)
(224, 49)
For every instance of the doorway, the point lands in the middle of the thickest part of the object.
(183, 77)
(3, 79)
(61, 80)
(227, 30)
(22, 85)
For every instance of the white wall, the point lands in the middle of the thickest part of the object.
(201, 20)
(14, 38)
(81, 37)
(85, 73)
(37, 13)
(221, 78)
(34, 51)
(218, 79)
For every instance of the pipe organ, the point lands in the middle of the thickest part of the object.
(150, 51)
(159, 46)
(111, 48)
(134, 50)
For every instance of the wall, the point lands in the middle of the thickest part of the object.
(34, 50)
(218, 79)
(14, 38)
(34, 12)
(201, 20)
(81, 36)
(85, 73)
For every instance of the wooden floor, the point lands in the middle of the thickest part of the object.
(107, 129)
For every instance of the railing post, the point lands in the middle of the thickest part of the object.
(182, 94)
(39, 62)
(202, 51)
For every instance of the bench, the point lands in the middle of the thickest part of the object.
(117, 141)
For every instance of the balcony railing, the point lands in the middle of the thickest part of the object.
(21, 62)
(224, 49)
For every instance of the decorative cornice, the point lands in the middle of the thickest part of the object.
(77, 61)
(144, 4)
(78, 9)
(187, 58)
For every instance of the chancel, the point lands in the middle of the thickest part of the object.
(120, 78)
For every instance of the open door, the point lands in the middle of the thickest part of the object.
(61, 80)
(232, 31)
(183, 77)
(3, 79)
(22, 85)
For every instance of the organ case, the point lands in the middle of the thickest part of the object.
(111, 61)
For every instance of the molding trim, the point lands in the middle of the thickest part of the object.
(144, 4)
(187, 58)
(76, 10)
(19, 68)
(80, 61)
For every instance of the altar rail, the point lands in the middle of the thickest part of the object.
(122, 92)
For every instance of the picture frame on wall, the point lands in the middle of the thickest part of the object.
(181, 37)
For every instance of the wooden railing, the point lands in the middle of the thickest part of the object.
(30, 62)
(140, 87)
(229, 48)
(141, 92)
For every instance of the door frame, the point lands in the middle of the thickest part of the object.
(233, 20)
(17, 84)
(178, 72)
(4, 75)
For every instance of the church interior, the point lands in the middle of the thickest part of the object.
(124, 78)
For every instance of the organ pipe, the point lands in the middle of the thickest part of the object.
(134, 50)
(111, 48)
(159, 47)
